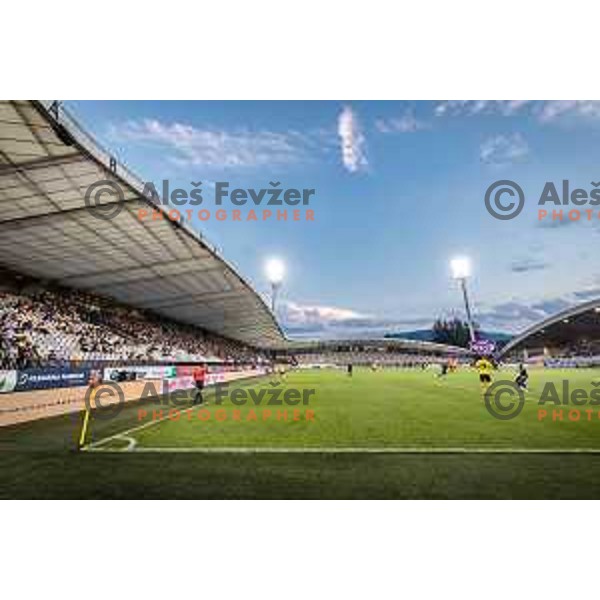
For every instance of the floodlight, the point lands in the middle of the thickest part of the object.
(275, 270)
(461, 267)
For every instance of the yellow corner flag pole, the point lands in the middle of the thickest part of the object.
(89, 397)
(84, 427)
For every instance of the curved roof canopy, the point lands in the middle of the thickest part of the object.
(576, 323)
(47, 162)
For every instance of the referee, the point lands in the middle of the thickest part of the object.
(199, 375)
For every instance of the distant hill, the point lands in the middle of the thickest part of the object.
(426, 335)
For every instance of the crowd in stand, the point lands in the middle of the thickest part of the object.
(392, 358)
(54, 327)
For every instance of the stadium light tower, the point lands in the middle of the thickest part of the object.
(461, 271)
(275, 271)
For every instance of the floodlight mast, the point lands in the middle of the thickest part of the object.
(274, 289)
(461, 270)
(275, 271)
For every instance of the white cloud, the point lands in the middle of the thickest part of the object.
(504, 149)
(455, 108)
(545, 111)
(331, 322)
(303, 314)
(212, 147)
(517, 315)
(352, 141)
(476, 107)
(407, 123)
(512, 316)
(555, 109)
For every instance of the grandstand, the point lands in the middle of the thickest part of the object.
(572, 333)
(49, 233)
(46, 325)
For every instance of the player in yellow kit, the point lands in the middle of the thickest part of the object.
(485, 367)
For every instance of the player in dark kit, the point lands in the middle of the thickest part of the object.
(522, 377)
(199, 375)
(350, 370)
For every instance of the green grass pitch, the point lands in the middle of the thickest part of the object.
(386, 434)
(395, 409)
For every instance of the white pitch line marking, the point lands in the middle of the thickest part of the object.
(345, 450)
(131, 443)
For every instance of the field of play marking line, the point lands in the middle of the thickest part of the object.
(333, 450)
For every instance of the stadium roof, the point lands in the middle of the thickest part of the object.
(576, 323)
(47, 162)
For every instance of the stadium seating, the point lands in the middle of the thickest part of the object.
(40, 325)
(367, 358)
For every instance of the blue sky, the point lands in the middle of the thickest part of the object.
(399, 191)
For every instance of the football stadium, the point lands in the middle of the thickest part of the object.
(136, 361)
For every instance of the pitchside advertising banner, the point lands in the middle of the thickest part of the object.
(125, 373)
(55, 377)
(173, 377)
(44, 378)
